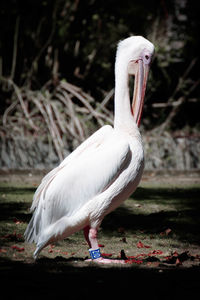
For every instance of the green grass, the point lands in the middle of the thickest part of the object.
(143, 217)
(163, 217)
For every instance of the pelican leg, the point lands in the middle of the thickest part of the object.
(86, 235)
(91, 238)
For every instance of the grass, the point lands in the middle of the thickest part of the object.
(159, 216)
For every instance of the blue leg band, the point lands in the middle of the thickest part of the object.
(94, 254)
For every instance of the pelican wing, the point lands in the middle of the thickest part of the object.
(94, 140)
(84, 177)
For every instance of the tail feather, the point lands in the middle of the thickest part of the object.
(33, 229)
(42, 187)
(28, 234)
(38, 250)
(33, 232)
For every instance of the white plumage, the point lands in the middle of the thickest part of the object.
(104, 170)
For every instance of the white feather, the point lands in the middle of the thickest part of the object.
(94, 139)
(95, 178)
(79, 179)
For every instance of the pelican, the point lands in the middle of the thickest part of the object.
(104, 170)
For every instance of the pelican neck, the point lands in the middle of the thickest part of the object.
(123, 117)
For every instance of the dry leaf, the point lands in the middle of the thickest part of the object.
(141, 245)
(19, 249)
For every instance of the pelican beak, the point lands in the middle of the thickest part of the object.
(141, 76)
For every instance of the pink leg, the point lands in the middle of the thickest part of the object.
(91, 238)
(86, 235)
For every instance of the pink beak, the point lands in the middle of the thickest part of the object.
(141, 77)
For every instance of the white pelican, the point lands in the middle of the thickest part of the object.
(104, 170)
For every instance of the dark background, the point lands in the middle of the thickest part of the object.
(76, 41)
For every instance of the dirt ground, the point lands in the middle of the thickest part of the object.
(156, 231)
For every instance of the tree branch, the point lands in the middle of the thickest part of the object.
(14, 58)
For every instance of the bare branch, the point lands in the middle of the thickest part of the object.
(83, 100)
(24, 108)
(58, 114)
(12, 73)
(107, 98)
(7, 111)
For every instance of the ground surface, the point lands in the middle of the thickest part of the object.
(156, 231)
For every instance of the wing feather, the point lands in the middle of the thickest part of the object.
(80, 181)
(94, 140)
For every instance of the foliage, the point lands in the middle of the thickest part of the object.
(48, 41)
(65, 116)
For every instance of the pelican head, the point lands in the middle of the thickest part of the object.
(134, 55)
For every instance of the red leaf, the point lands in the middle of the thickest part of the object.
(166, 231)
(107, 254)
(133, 257)
(173, 259)
(101, 245)
(51, 246)
(141, 256)
(14, 247)
(156, 252)
(17, 221)
(178, 262)
(175, 253)
(141, 245)
(13, 236)
(133, 261)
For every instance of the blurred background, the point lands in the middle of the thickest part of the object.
(57, 78)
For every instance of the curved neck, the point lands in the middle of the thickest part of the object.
(123, 115)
